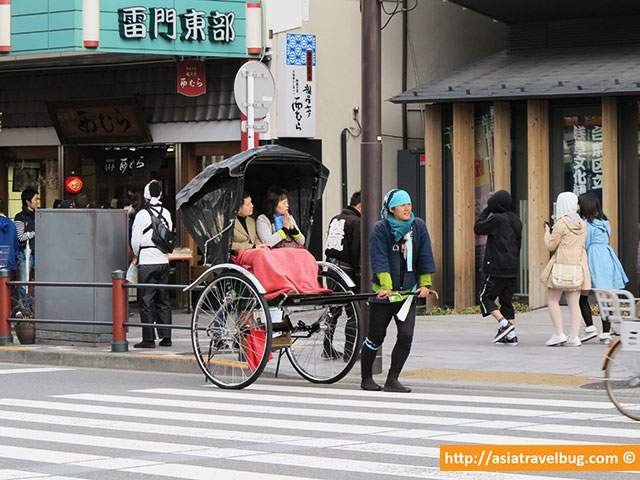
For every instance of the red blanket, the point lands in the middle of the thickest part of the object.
(282, 270)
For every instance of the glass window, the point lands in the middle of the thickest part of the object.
(582, 153)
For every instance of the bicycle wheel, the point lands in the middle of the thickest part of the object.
(325, 338)
(231, 332)
(622, 379)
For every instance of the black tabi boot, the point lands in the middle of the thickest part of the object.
(393, 385)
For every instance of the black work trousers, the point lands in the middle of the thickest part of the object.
(154, 303)
(380, 316)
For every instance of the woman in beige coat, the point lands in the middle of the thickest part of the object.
(566, 241)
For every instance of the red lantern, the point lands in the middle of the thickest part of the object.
(73, 184)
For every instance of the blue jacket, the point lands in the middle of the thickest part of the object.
(604, 266)
(8, 243)
(386, 255)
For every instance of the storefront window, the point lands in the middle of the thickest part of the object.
(582, 154)
(115, 172)
(22, 168)
(484, 173)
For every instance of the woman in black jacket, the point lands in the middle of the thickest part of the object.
(500, 266)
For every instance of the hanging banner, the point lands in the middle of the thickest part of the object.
(297, 61)
(191, 78)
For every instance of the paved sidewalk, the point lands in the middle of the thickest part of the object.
(445, 349)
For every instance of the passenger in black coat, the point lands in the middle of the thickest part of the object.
(500, 265)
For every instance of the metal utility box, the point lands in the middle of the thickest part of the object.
(78, 245)
(411, 164)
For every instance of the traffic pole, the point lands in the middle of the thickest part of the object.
(5, 308)
(371, 146)
(119, 312)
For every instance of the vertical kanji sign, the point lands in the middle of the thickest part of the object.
(191, 78)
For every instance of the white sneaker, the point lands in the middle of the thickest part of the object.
(590, 333)
(573, 342)
(605, 337)
(556, 340)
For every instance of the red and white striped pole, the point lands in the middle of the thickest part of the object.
(254, 28)
(90, 23)
(5, 26)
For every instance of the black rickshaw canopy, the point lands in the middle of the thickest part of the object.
(209, 203)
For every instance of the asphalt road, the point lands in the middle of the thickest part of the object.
(58, 423)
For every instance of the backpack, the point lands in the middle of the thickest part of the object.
(162, 237)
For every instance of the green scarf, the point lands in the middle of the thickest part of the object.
(400, 227)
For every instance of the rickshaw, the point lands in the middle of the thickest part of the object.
(235, 330)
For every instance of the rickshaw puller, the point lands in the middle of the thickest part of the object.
(401, 261)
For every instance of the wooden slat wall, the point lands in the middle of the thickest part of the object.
(433, 182)
(538, 194)
(502, 147)
(463, 204)
(610, 164)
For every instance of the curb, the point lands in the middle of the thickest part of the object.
(116, 361)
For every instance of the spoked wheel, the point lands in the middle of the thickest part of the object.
(231, 332)
(325, 339)
(622, 379)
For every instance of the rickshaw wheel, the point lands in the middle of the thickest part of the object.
(231, 331)
(326, 340)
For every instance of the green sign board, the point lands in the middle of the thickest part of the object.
(204, 28)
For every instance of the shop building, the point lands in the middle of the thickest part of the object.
(117, 92)
(556, 110)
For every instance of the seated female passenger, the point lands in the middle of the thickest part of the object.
(244, 227)
(277, 227)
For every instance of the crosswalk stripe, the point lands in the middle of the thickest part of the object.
(45, 456)
(486, 439)
(378, 468)
(498, 400)
(208, 418)
(583, 430)
(6, 474)
(116, 443)
(342, 402)
(125, 464)
(266, 409)
(195, 472)
(153, 428)
(12, 371)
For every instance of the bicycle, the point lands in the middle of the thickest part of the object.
(622, 361)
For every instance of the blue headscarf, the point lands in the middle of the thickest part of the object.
(392, 199)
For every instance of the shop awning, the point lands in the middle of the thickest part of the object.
(542, 73)
(24, 93)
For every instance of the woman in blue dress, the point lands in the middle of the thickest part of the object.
(604, 265)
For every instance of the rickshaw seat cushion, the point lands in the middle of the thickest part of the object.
(282, 270)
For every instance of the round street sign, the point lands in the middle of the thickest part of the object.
(263, 88)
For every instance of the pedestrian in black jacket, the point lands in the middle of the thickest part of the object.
(401, 262)
(500, 266)
(343, 239)
(25, 222)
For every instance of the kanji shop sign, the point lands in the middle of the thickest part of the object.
(110, 121)
(73, 184)
(297, 90)
(191, 78)
(125, 162)
(192, 25)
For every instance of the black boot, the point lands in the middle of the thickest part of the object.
(393, 385)
(370, 385)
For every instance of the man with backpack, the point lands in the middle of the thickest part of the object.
(152, 241)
